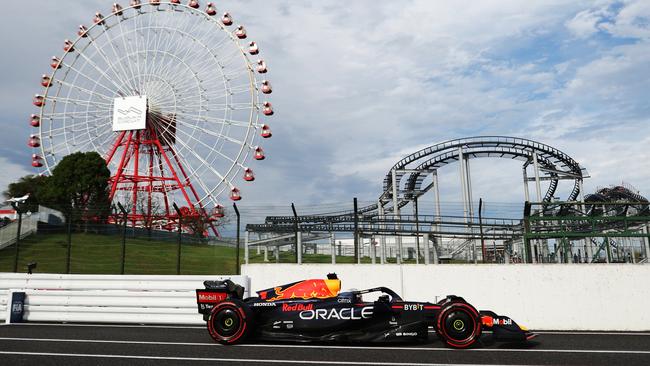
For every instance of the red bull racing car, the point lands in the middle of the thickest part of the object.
(316, 310)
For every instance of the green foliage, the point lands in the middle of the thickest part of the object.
(32, 184)
(79, 183)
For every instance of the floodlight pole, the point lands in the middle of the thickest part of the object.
(234, 205)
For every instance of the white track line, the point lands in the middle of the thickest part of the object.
(327, 346)
(202, 327)
(265, 361)
(110, 325)
(594, 333)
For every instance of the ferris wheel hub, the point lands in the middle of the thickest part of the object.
(130, 113)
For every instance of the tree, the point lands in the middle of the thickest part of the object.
(79, 186)
(32, 184)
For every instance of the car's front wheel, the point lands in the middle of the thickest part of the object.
(229, 322)
(459, 325)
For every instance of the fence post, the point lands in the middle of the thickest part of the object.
(20, 222)
(124, 219)
(180, 235)
(69, 250)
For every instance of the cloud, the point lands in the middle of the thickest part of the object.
(10, 172)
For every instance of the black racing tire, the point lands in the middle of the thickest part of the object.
(459, 324)
(230, 321)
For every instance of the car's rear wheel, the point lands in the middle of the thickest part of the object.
(229, 322)
(458, 325)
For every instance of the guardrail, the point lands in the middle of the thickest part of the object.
(108, 299)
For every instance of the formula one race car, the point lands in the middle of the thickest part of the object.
(314, 310)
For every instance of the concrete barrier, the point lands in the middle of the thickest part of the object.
(107, 298)
(543, 297)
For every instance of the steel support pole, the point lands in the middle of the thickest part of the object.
(266, 253)
(333, 247)
(526, 192)
(382, 238)
(426, 248)
(646, 242)
(437, 239)
(461, 160)
(417, 230)
(538, 187)
(434, 250)
(543, 246)
(480, 226)
(373, 251)
(299, 247)
(396, 214)
(357, 251)
(586, 241)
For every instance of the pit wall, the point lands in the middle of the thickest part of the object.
(542, 297)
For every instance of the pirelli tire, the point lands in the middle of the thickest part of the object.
(230, 322)
(459, 324)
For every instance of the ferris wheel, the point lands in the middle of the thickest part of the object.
(170, 94)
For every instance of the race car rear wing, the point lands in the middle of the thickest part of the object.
(214, 293)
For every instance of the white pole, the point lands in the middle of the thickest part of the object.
(426, 248)
(382, 238)
(299, 247)
(647, 243)
(526, 193)
(396, 213)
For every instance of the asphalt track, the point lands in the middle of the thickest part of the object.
(114, 345)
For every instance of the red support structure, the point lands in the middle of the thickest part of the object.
(144, 148)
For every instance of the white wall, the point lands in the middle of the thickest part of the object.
(542, 297)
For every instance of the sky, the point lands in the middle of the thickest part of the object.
(359, 85)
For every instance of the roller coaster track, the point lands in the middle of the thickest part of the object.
(554, 165)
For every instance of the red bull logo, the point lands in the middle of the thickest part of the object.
(308, 289)
(297, 307)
